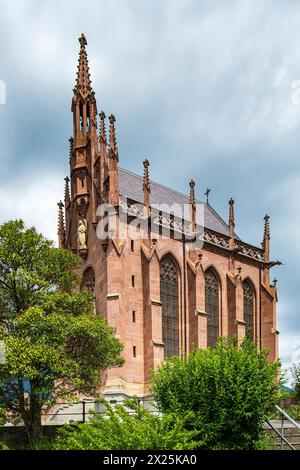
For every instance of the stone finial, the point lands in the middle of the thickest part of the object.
(266, 240)
(71, 144)
(146, 183)
(146, 180)
(61, 226)
(82, 40)
(192, 201)
(192, 192)
(231, 211)
(267, 227)
(67, 192)
(102, 133)
(231, 223)
(83, 81)
(113, 148)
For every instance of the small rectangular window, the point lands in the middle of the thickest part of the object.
(132, 281)
(133, 316)
(132, 245)
(134, 351)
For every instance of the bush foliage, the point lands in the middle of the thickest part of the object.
(130, 427)
(230, 390)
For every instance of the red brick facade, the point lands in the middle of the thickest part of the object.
(146, 304)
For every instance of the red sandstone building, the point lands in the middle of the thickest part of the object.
(167, 279)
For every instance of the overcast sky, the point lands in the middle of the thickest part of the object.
(203, 89)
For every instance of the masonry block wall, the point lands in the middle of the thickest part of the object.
(169, 287)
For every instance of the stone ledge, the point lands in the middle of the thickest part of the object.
(200, 313)
(158, 343)
(239, 322)
(155, 302)
(113, 296)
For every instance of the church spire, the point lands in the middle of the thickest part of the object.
(83, 103)
(146, 183)
(231, 223)
(192, 205)
(83, 80)
(61, 226)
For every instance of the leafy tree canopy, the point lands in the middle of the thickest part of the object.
(52, 337)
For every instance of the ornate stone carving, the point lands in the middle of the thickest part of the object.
(205, 235)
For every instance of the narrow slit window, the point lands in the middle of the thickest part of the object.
(133, 316)
(132, 281)
(134, 351)
(132, 246)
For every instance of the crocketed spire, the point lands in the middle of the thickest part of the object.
(61, 226)
(102, 132)
(67, 192)
(146, 183)
(192, 206)
(266, 240)
(231, 223)
(83, 81)
(113, 148)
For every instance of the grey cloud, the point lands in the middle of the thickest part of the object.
(202, 89)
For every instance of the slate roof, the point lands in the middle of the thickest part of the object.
(131, 186)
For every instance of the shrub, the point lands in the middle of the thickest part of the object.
(121, 429)
(295, 369)
(230, 390)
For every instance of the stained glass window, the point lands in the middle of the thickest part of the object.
(248, 308)
(212, 307)
(169, 299)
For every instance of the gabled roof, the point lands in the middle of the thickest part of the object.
(131, 186)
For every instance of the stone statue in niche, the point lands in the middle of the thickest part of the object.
(82, 234)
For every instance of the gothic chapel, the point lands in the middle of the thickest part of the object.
(164, 294)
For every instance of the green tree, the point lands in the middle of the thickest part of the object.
(230, 389)
(129, 427)
(54, 342)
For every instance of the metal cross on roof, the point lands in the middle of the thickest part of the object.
(207, 194)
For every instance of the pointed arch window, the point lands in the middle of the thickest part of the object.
(248, 295)
(212, 307)
(169, 300)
